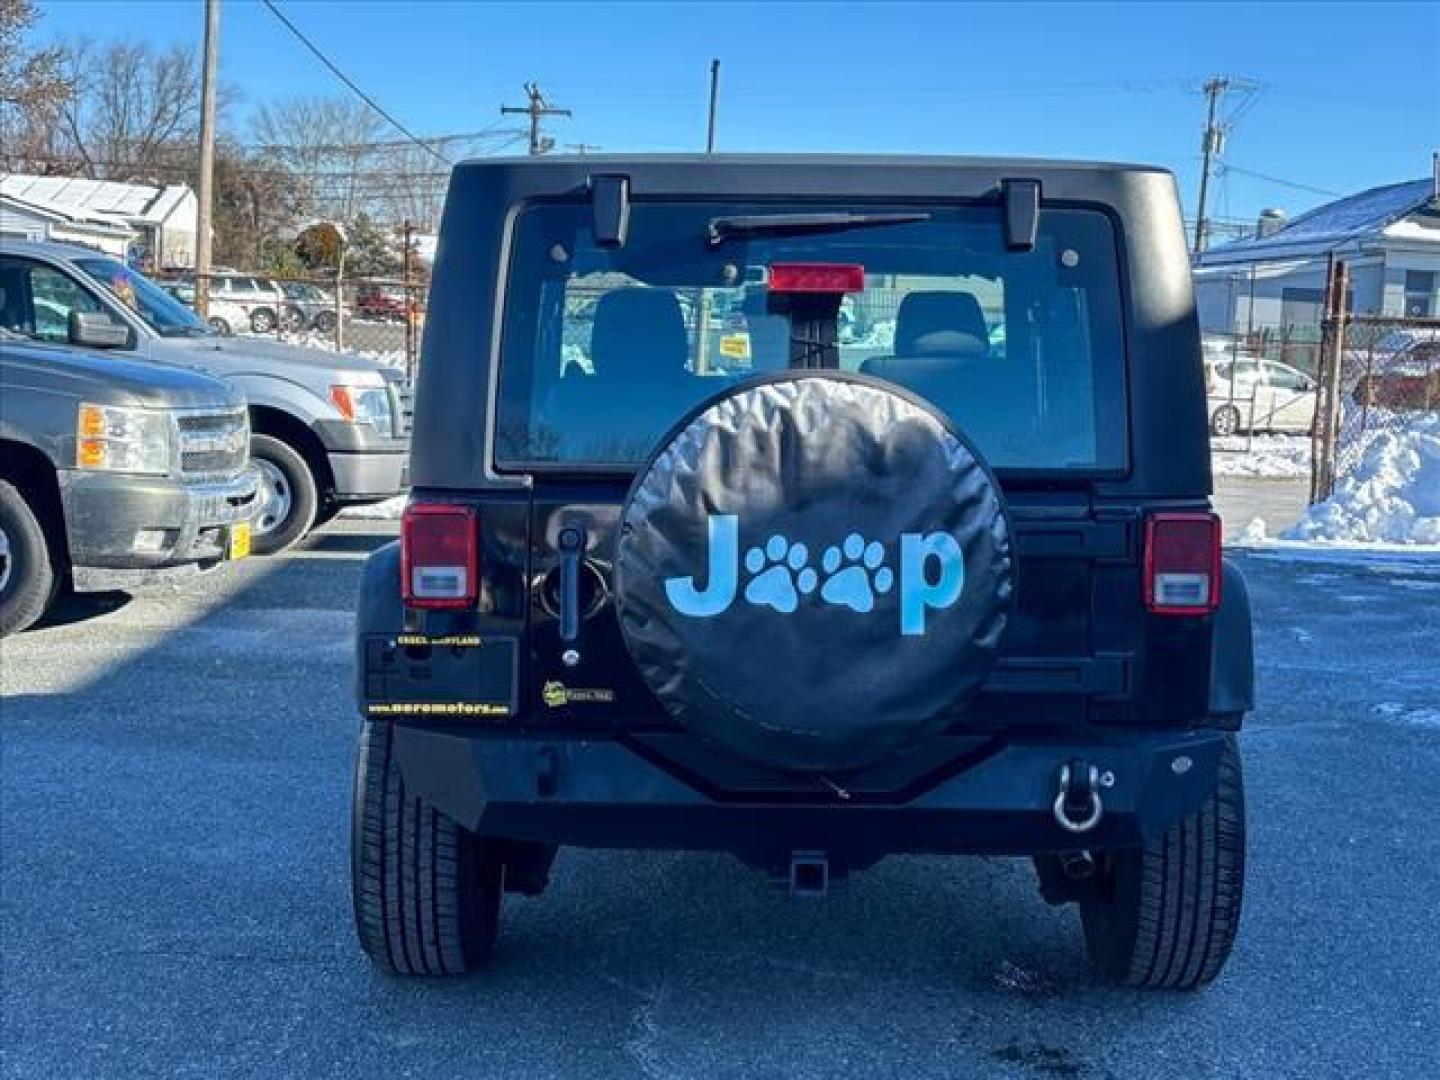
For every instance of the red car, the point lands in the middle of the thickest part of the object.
(383, 302)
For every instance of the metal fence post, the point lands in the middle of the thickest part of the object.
(1325, 443)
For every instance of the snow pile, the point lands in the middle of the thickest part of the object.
(1271, 457)
(1391, 496)
(314, 339)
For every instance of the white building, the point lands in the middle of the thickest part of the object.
(1389, 238)
(161, 218)
(23, 219)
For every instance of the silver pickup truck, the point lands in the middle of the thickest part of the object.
(327, 429)
(109, 466)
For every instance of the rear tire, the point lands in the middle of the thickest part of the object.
(1164, 916)
(290, 496)
(262, 321)
(220, 326)
(27, 572)
(426, 891)
(1225, 420)
(325, 322)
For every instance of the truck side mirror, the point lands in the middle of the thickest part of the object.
(96, 330)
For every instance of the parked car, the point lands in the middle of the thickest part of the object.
(955, 602)
(239, 302)
(1246, 393)
(222, 315)
(308, 307)
(110, 465)
(327, 429)
(386, 303)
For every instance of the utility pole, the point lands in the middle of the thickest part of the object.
(205, 194)
(1211, 144)
(536, 110)
(583, 148)
(714, 100)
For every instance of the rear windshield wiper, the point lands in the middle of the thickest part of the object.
(723, 228)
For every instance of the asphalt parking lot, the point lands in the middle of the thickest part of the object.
(174, 810)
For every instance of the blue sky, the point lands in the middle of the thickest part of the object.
(1351, 93)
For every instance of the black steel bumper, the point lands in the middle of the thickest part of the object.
(997, 797)
(121, 522)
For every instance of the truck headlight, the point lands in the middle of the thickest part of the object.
(365, 405)
(116, 438)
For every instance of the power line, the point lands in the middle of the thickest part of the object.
(350, 83)
(1227, 167)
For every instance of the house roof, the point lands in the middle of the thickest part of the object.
(91, 220)
(1378, 212)
(133, 202)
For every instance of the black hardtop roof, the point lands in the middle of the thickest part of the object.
(1008, 165)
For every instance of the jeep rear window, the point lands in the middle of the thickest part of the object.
(604, 349)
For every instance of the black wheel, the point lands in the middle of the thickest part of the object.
(220, 326)
(1225, 420)
(1165, 915)
(27, 573)
(293, 320)
(325, 321)
(262, 320)
(289, 496)
(426, 892)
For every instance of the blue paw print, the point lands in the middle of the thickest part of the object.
(854, 574)
(780, 575)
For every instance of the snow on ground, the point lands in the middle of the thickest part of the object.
(1271, 457)
(1392, 496)
(314, 339)
(389, 510)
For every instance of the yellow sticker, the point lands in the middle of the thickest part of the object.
(239, 540)
(736, 346)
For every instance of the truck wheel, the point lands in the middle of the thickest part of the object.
(220, 326)
(1225, 420)
(289, 495)
(426, 892)
(27, 577)
(325, 321)
(1165, 915)
(262, 321)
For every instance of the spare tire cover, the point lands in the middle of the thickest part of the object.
(814, 571)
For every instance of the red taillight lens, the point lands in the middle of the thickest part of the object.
(817, 278)
(1182, 564)
(439, 555)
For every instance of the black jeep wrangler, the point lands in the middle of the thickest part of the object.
(810, 509)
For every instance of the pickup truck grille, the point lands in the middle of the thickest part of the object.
(404, 393)
(213, 443)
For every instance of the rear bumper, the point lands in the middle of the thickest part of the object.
(119, 522)
(608, 793)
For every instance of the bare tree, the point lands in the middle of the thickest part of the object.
(328, 145)
(132, 112)
(31, 85)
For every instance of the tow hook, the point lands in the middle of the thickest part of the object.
(1078, 807)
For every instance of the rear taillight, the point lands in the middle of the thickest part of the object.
(1182, 564)
(439, 555)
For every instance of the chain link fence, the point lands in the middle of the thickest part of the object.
(381, 318)
(1378, 374)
